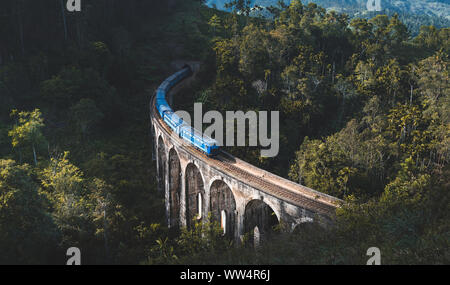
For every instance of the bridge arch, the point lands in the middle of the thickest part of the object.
(161, 164)
(195, 194)
(175, 176)
(259, 221)
(223, 207)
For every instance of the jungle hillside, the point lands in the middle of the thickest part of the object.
(365, 116)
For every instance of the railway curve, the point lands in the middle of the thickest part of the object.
(292, 203)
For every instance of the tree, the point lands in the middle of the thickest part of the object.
(215, 23)
(240, 6)
(388, 81)
(434, 78)
(28, 234)
(85, 115)
(83, 208)
(73, 84)
(434, 87)
(27, 130)
(408, 184)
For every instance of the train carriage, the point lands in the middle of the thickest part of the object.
(173, 121)
(187, 133)
(200, 141)
(162, 107)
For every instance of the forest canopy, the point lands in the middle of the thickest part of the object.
(364, 107)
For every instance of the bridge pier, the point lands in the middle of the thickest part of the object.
(183, 209)
(240, 232)
(166, 190)
(175, 188)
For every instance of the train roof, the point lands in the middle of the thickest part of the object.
(160, 94)
(162, 108)
(161, 101)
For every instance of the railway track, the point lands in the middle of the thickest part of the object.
(276, 190)
(227, 166)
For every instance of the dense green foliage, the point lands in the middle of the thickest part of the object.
(413, 13)
(364, 110)
(82, 83)
(364, 117)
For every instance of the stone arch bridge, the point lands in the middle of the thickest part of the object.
(242, 197)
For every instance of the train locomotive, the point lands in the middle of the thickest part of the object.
(194, 137)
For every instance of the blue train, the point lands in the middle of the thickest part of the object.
(196, 138)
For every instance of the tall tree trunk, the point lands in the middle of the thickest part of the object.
(34, 155)
(334, 73)
(411, 96)
(105, 234)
